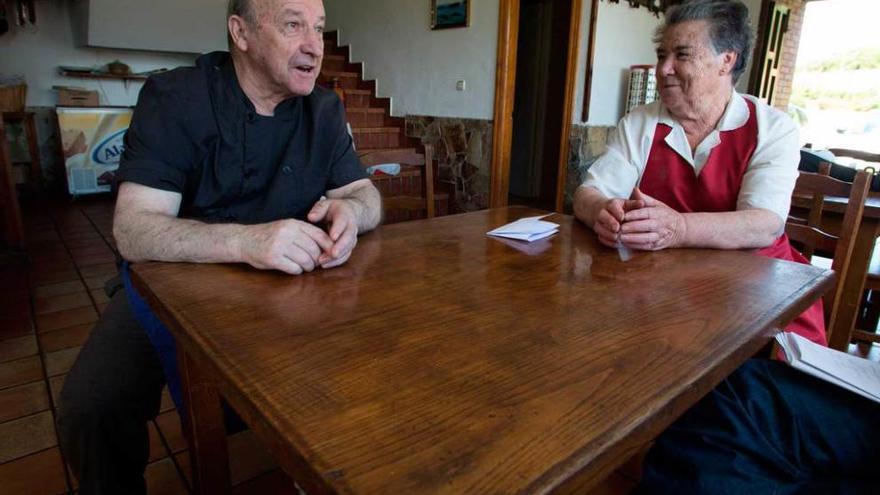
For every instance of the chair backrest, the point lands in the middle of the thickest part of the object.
(407, 158)
(808, 235)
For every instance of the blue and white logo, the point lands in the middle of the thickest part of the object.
(108, 151)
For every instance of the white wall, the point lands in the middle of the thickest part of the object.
(36, 52)
(623, 38)
(419, 67)
(190, 26)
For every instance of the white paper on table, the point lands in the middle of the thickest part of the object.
(853, 373)
(526, 229)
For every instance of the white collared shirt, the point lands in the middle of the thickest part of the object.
(770, 175)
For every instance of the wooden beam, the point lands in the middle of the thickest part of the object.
(568, 103)
(591, 55)
(505, 82)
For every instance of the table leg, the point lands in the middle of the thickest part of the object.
(840, 333)
(205, 430)
(33, 150)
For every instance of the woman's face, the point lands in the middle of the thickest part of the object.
(688, 69)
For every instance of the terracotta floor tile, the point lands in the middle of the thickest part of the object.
(91, 248)
(167, 404)
(274, 482)
(23, 400)
(56, 383)
(52, 304)
(65, 337)
(37, 474)
(66, 318)
(247, 457)
(16, 325)
(94, 259)
(157, 448)
(60, 362)
(101, 307)
(96, 282)
(54, 277)
(20, 371)
(163, 479)
(99, 296)
(105, 269)
(59, 289)
(183, 464)
(25, 436)
(17, 348)
(169, 425)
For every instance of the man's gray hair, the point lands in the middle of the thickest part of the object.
(243, 9)
(729, 28)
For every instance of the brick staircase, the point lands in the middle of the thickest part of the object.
(372, 125)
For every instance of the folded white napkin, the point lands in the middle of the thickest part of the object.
(526, 229)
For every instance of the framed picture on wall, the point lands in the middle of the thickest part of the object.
(447, 14)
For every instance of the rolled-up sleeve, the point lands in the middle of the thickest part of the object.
(773, 170)
(156, 152)
(616, 173)
(345, 166)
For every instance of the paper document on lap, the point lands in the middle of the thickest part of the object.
(850, 372)
(526, 229)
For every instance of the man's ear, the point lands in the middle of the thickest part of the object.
(238, 32)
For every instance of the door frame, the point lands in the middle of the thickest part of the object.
(505, 84)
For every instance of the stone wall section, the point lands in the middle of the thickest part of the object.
(463, 151)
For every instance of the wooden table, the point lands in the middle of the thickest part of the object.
(440, 360)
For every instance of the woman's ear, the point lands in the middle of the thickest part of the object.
(728, 62)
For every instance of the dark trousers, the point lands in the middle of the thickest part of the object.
(769, 428)
(111, 392)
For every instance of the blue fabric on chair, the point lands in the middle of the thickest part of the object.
(159, 336)
(163, 341)
(769, 428)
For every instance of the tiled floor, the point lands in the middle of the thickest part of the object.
(47, 308)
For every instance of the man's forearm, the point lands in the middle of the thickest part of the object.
(157, 237)
(743, 229)
(366, 203)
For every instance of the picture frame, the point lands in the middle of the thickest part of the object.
(448, 14)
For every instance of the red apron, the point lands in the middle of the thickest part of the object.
(672, 180)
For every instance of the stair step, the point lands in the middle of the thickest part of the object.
(375, 130)
(340, 74)
(333, 56)
(365, 110)
(357, 92)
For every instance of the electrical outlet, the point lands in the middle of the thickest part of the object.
(460, 85)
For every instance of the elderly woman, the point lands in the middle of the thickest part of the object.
(704, 166)
(707, 167)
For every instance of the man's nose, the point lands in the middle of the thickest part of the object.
(313, 43)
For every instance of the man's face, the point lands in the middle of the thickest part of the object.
(688, 69)
(287, 44)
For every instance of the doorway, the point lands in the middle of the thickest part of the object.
(539, 101)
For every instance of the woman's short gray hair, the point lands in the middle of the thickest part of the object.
(729, 28)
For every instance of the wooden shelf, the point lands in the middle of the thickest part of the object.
(97, 75)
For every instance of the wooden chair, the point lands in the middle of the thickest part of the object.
(807, 235)
(408, 159)
(870, 309)
(10, 221)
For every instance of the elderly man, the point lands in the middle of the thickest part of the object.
(239, 159)
(704, 166)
